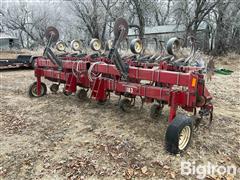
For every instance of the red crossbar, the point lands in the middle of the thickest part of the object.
(155, 75)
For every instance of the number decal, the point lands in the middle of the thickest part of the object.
(129, 89)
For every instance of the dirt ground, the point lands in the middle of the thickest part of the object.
(59, 137)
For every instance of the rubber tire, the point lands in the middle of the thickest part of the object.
(173, 132)
(33, 85)
(155, 111)
(81, 94)
(170, 44)
(132, 46)
(54, 88)
(125, 104)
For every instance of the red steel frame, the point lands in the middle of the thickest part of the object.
(189, 83)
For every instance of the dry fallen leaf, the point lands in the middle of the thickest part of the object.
(222, 161)
(229, 177)
(144, 169)
(166, 167)
(130, 172)
(173, 175)
(208, 177)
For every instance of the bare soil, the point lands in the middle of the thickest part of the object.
(59, 137)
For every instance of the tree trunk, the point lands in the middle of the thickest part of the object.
(220, 40)
(141, 18)
(21, 39)
(94, 23)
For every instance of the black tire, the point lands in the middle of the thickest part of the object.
(174, 130)
(125, 105)
(171, 43)
(81, 94)
(155, 111)
(54, 88)
(32, 90)
(133, 48)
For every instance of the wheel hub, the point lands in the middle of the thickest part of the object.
(184, 137)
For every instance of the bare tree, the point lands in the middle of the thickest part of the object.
(87, 11)
(30, 22)
(193, 13)
(138, 4)
(162, 12)
(227, 27)
(108, 5)
(85, 19)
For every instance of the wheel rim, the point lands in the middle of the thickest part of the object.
(184, 137)
(138, 47)
(60, 46)
(96, 46)
(34, 91)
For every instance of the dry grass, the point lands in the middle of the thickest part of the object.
(58, 137)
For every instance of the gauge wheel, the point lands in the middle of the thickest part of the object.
(81, 94)
(173, 45)
(32, 90)
(136, 46)
(54, 88)
(178, 134)
(155, 111)
(75, 45)
(60, 46)
(125, 105)
(95, 44)
(120, 24)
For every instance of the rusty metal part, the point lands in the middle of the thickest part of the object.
(120, 33)
(120, 24)
(52, 33)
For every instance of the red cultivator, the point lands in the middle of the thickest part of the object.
(167, 82)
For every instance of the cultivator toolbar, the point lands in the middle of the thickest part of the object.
(167, 81)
